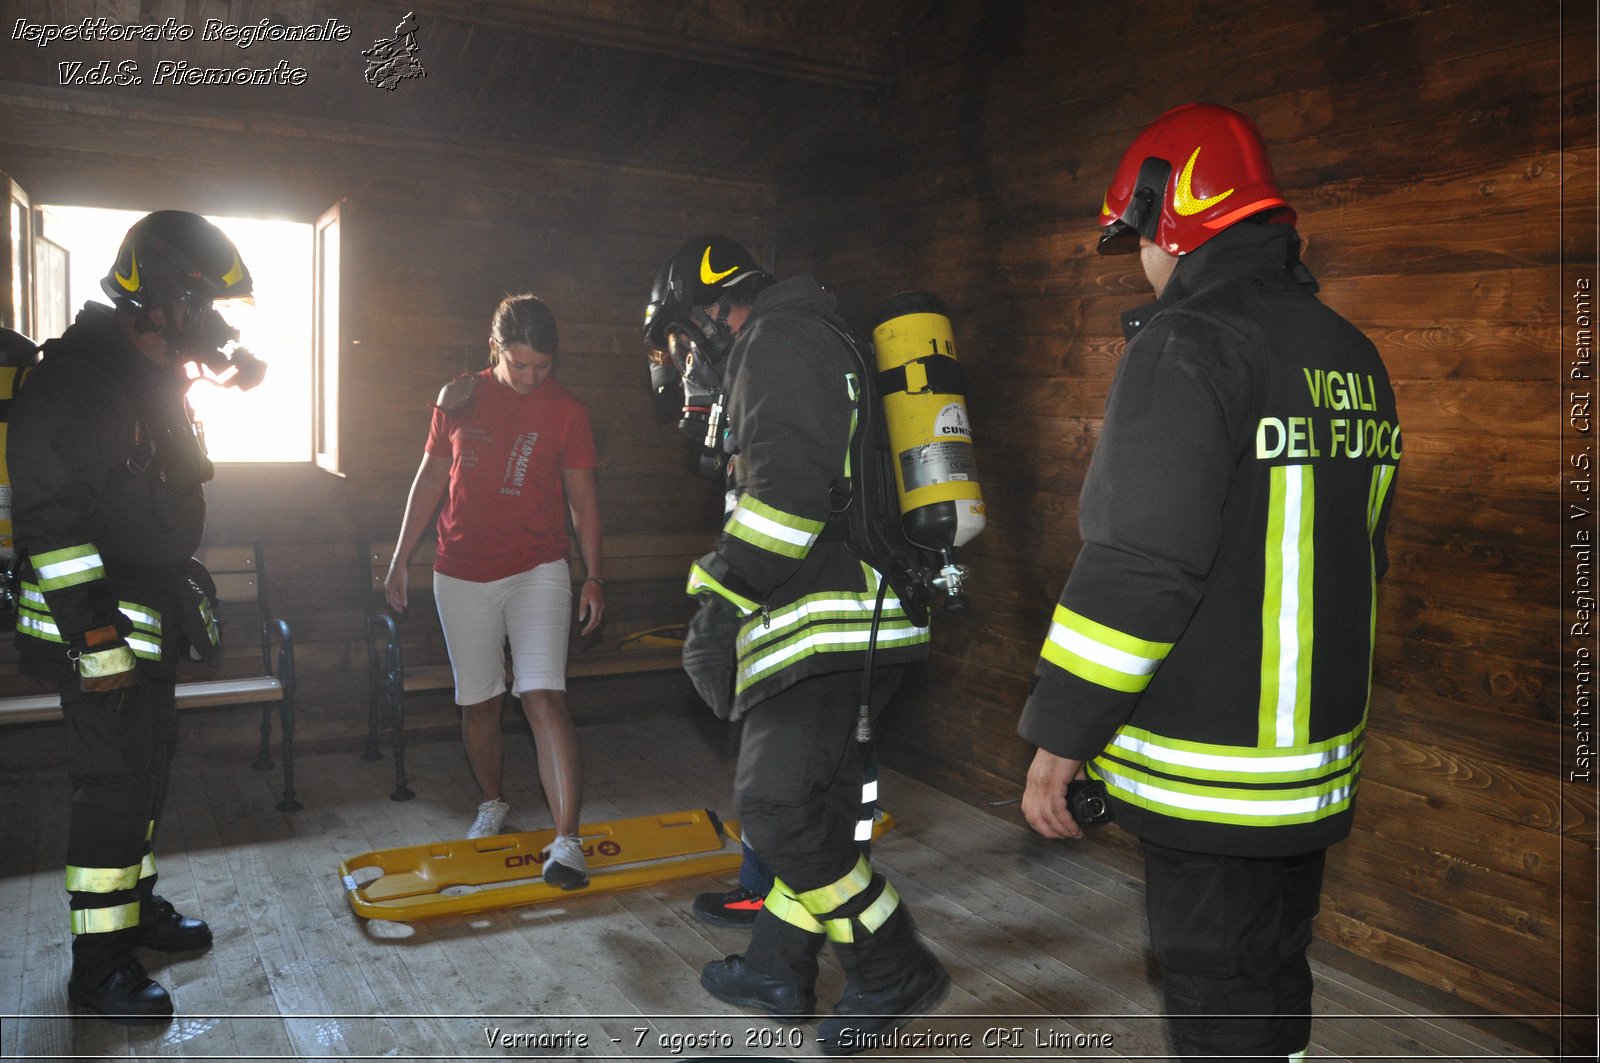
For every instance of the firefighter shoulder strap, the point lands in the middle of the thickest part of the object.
(866, 503)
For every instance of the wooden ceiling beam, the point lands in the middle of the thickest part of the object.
(844, 44)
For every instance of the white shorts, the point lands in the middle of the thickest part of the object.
(532, 608)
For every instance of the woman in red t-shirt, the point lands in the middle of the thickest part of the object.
(515, 458)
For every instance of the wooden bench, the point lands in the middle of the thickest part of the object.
(241, 603)
(644, 574)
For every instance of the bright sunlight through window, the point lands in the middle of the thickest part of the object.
(273, 421)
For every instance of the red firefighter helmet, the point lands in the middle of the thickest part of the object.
(1195, 171)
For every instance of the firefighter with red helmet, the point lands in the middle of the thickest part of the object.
(1210, 660)
(785, 620)
(107, 467)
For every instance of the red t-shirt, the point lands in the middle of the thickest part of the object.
(506, 510)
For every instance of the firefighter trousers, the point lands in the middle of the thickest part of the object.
(1230, 934)
(799, 791)
(756, 876)
(119, 747)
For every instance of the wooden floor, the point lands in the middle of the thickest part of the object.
(1045, 944)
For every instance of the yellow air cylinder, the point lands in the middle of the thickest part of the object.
(930, 433)
(10, 380)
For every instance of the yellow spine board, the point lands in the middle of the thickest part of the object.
(504, 871)
(484, 874)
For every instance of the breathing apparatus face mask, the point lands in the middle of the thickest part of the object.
(699, 362)
(208, 340)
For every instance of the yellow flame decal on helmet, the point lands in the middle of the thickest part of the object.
(1105, 205)
(707, 274)
(1184, 201)
(233, 276)
(131, 281)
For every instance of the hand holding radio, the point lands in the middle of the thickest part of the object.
(1088, 802)
(1060, 801)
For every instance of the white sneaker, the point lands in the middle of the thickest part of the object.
(565, 866)
(491, 814)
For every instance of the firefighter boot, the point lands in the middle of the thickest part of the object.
(891, 977)
(122, 993)
(733, 981)
(163, 928)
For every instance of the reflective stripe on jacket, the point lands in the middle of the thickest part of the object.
(807, 601)
(1211, 656)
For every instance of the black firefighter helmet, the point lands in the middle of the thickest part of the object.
(690, 298)
(692, 293)
(171, 255)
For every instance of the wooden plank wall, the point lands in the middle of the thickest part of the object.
(437, 230)
(1421, 144)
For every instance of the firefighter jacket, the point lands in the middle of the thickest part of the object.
(106, 468)
(1211, 655)
(792, 386)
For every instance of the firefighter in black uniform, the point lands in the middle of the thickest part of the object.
(780, 640)
(107, 466)
(1211, 658)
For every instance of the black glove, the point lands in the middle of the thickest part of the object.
(709, 653)
(197, 613)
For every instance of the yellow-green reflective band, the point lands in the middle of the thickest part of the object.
(1245, 764)
(105, 920)
(40, 627)
(212, 635)
(68, 567)
(781, 903)
(1299, 1057)
(1284, 711)
(827, 638)
(826, 606)
(826, 622)
(34, 617)
(148, 649)
(1101, 655)
(147, 866)
(871, 918)
(769, 528)
(1382, 477)
(144, 618)
(102, 879)
(1239, 807)
(106, 662)
(878, 912)
(825, 899)
(701, 580)
(149, 831)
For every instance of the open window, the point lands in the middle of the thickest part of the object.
(54, 256)
(16, 265)
(327, 278)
